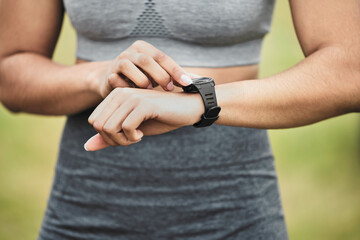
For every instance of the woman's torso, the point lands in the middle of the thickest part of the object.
(214, 183)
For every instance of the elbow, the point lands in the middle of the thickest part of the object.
(5, 99)
(10, 108)
(7, 103)
(5, 95)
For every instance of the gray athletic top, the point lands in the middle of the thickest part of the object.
(211, 183)
(193, 32)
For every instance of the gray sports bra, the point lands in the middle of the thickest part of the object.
(195, 33)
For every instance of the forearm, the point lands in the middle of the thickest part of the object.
(33, 83)
(324, 85)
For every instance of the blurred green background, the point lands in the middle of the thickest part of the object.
(318, 165)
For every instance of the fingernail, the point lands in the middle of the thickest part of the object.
(170, 86)
(150, 86)
(85, 147)
(186, 79)
(87, 142)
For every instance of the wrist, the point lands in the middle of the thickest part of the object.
(95, 74)
(92, 82)
(204, 86)
(196, 105)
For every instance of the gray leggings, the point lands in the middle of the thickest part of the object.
(211, 183)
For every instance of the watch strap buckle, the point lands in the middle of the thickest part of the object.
(207, 118)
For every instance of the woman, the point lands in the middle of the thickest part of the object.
(178, 182)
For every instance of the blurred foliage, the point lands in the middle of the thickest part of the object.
(318, 165)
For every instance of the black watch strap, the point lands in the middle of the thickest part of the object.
(206, 87)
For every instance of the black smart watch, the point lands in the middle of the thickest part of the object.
(206, 87)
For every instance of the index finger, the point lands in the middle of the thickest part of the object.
(166, 62)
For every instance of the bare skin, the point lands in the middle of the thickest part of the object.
(325, 84)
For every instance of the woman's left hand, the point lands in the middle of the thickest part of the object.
(127, 114)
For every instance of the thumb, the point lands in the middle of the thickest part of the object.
(95, 143)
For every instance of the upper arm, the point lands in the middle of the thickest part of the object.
(332, 29)
(323, 23)
(29, 26)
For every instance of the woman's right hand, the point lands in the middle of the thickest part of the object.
(140, 65)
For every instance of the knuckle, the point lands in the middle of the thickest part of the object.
(123, 64)
(91, 120)
(112, 81)
(144, 59)
(126, 127)
(98, 126)
(160, 56)
(108, 129)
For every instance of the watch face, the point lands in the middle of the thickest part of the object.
(202, 80)
(198, 81)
